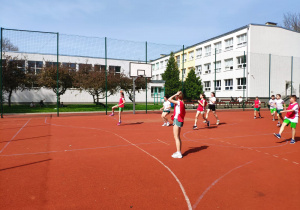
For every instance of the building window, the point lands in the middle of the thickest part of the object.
(241, 62)
(218, 84)
(208, 50)
(155, 91)
(228, 84)
(183, 73)
(100, 68)
(207, 68)
(35, 67)
(70, 66)
(198, 53)
(229, 44)
(153, 67)
(218, 47)
(228, 64)
(207, 86)
(166, 62)
(161, 64)
(191, 55)
(241, 83)
(51, 64)
(218, 66)
(178, 61)
(157, 77)
(241, 40)
(85, 67)
(184, 57)
(157, 66)
(198, 70)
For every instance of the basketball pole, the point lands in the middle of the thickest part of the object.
(57, 77)
(146, 77)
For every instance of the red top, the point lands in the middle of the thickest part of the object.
(182, 112)
(291, 115)
(200, 107)
(256, 104)
(121, 102)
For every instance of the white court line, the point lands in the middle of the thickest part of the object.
(14, 137)
(173, 174)
(162, 142)
(275, 156)
(216, 181)
(295, 162)
(285, 159)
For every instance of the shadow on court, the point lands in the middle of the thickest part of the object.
(194, 150)
(28, 164)
(136, 123)
(36, 137)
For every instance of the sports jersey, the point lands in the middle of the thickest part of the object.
(179, 111)
(212, 100)
(279, 103)
(257, 104)
(121, 102)
(272, 103)
(293, 116)
(167, 106)
(200, 107)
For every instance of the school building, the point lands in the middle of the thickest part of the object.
(252, 60)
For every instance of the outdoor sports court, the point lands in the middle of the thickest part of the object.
(88, 162)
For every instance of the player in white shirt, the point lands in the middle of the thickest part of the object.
(212, 107)
(280, 105)
(166, 111)
(272, 107)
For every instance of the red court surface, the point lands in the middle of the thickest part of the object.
(88, 162)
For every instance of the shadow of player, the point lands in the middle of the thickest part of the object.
(194, 149)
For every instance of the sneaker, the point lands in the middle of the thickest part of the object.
(195, 127)
(177, 155)
(277, 135)
(112, 114)
(254, 117)
(208, 123)
(168, 124)
(273, 119)
(165, 124)
(204, 121)
(293, 141)
(218, 122)
(278, 124)
(119, 123)
(259, 116)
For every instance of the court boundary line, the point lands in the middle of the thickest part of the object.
(14, 136)
(172, 173)
(216, 181)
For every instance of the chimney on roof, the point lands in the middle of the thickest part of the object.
(271, 24)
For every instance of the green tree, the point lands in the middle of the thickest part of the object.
(192, 86)
(171, 77)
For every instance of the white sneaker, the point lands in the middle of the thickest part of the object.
(177, 155)
(165, 124)
(218, 122)
(168, 124)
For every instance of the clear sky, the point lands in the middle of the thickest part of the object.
(169, 22)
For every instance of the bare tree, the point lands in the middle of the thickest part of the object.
(8, 46)
(292, 21)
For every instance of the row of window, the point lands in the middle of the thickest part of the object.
(36, 66)
(240, 39)
(228, 84)
(228, 64)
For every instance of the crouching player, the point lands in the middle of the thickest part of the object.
(292, 115)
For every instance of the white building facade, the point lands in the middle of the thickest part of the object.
(245, 59)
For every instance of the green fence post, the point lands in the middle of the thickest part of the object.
(1, 75)
(182, 65)
(57, 76)
(244, 78)
(292, 63)
(269, 76)
(146, 77)
(105, 76)
(215, 69)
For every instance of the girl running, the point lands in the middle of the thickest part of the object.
(179, 114)
(212, 107)
(120, 106)
(166, 111)
(200, 110)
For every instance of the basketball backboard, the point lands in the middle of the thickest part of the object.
(140, 70)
